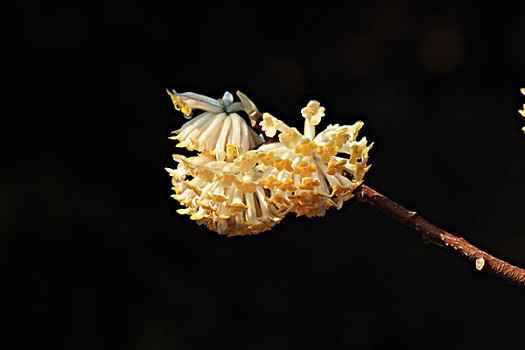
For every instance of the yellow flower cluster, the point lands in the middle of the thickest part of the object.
(221, 196)
(238, 185)
(318, 175)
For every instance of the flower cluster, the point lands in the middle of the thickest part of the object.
(239, 185)
(215, 130)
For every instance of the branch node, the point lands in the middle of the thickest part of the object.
(480, 262)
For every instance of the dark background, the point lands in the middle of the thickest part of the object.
(96, 257)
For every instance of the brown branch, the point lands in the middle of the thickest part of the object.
(432, 234)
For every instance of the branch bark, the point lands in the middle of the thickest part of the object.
(432, 234)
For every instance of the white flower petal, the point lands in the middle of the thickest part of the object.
(197, 101)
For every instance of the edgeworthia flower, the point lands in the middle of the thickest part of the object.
(304, 172)
(223, 195)
(215, 130)
(236, 185)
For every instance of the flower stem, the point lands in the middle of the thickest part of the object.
(309, 129)
(432, 234)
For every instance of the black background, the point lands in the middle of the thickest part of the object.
(96, 257)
